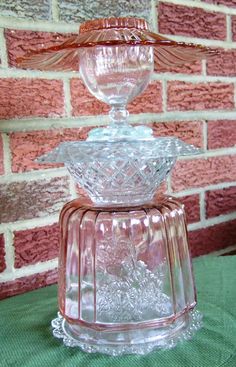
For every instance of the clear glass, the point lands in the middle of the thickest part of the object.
(125, 276)
(116, 75)
(121, 171)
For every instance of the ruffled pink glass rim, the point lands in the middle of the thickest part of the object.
(114, 32)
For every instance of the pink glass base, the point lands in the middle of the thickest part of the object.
(125, 277)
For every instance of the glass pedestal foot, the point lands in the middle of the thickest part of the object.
(116, 343)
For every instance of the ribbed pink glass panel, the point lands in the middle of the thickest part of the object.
(122, 267)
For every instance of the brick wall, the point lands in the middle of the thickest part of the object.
(40, 109)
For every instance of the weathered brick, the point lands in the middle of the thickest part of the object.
(36, 245)
(202, 172)
(1, 157)
(233, 20)
(223, 63)
(221, 201)
(20, 42)
(27, 97)
(229, 3)
(69, 11)
(83, 103)
(192, 68)
(29, 9)
(2, 253)
(192, 207)
(27, 283)
(149, 101)
(27, 146)
(29, 199)
(217, 237)
(189, 131)
(191, 21)
(221, 134)
(199, 96)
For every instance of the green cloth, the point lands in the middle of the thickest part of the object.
(26, 339)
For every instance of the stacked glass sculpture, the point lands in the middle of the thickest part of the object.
(125, 275)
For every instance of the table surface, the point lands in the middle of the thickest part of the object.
(26, 339)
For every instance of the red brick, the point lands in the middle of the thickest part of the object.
(83, 103)
(36, 245)
(149, 101)
(199, 96)
(223, 63)
(192, 207)
(189, 131)
(25, 97)
(19, 42)
(217, 237)
(1, 157)
(27, 283)
(202, 172)
(229, 3)
(193, 68)
(2, 253)
(191, 21)
(27, 146)
(233, 20)
(221, 134)
(29, 199)
(221, 201)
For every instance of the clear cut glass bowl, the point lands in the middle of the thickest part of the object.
(120, 171)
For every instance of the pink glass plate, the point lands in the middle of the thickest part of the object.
(114, 32)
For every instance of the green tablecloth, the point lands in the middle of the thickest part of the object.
(26, 339)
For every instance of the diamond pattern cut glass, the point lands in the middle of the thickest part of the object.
(125, 274)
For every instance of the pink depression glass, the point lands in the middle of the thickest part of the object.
(125, 277)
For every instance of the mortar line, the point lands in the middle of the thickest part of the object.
(20, 73)
(212, 221)
(203, 41)
(228, 29)
(72, 188)
(3, 50)
(193, 78)
(235, 95)
(210, 154)
(38, 124)
(49, 75)
(223, 251)
(169, 188)
(204, 135)
(55, 10)
(38, 26)
(154, 16)
(22, 225)
(198, 190)
(67, 97)
(34, 175)
(204, 68)
(164, 95)
(29, 270)
(9, 251)
(7, 158)
(202, 207)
